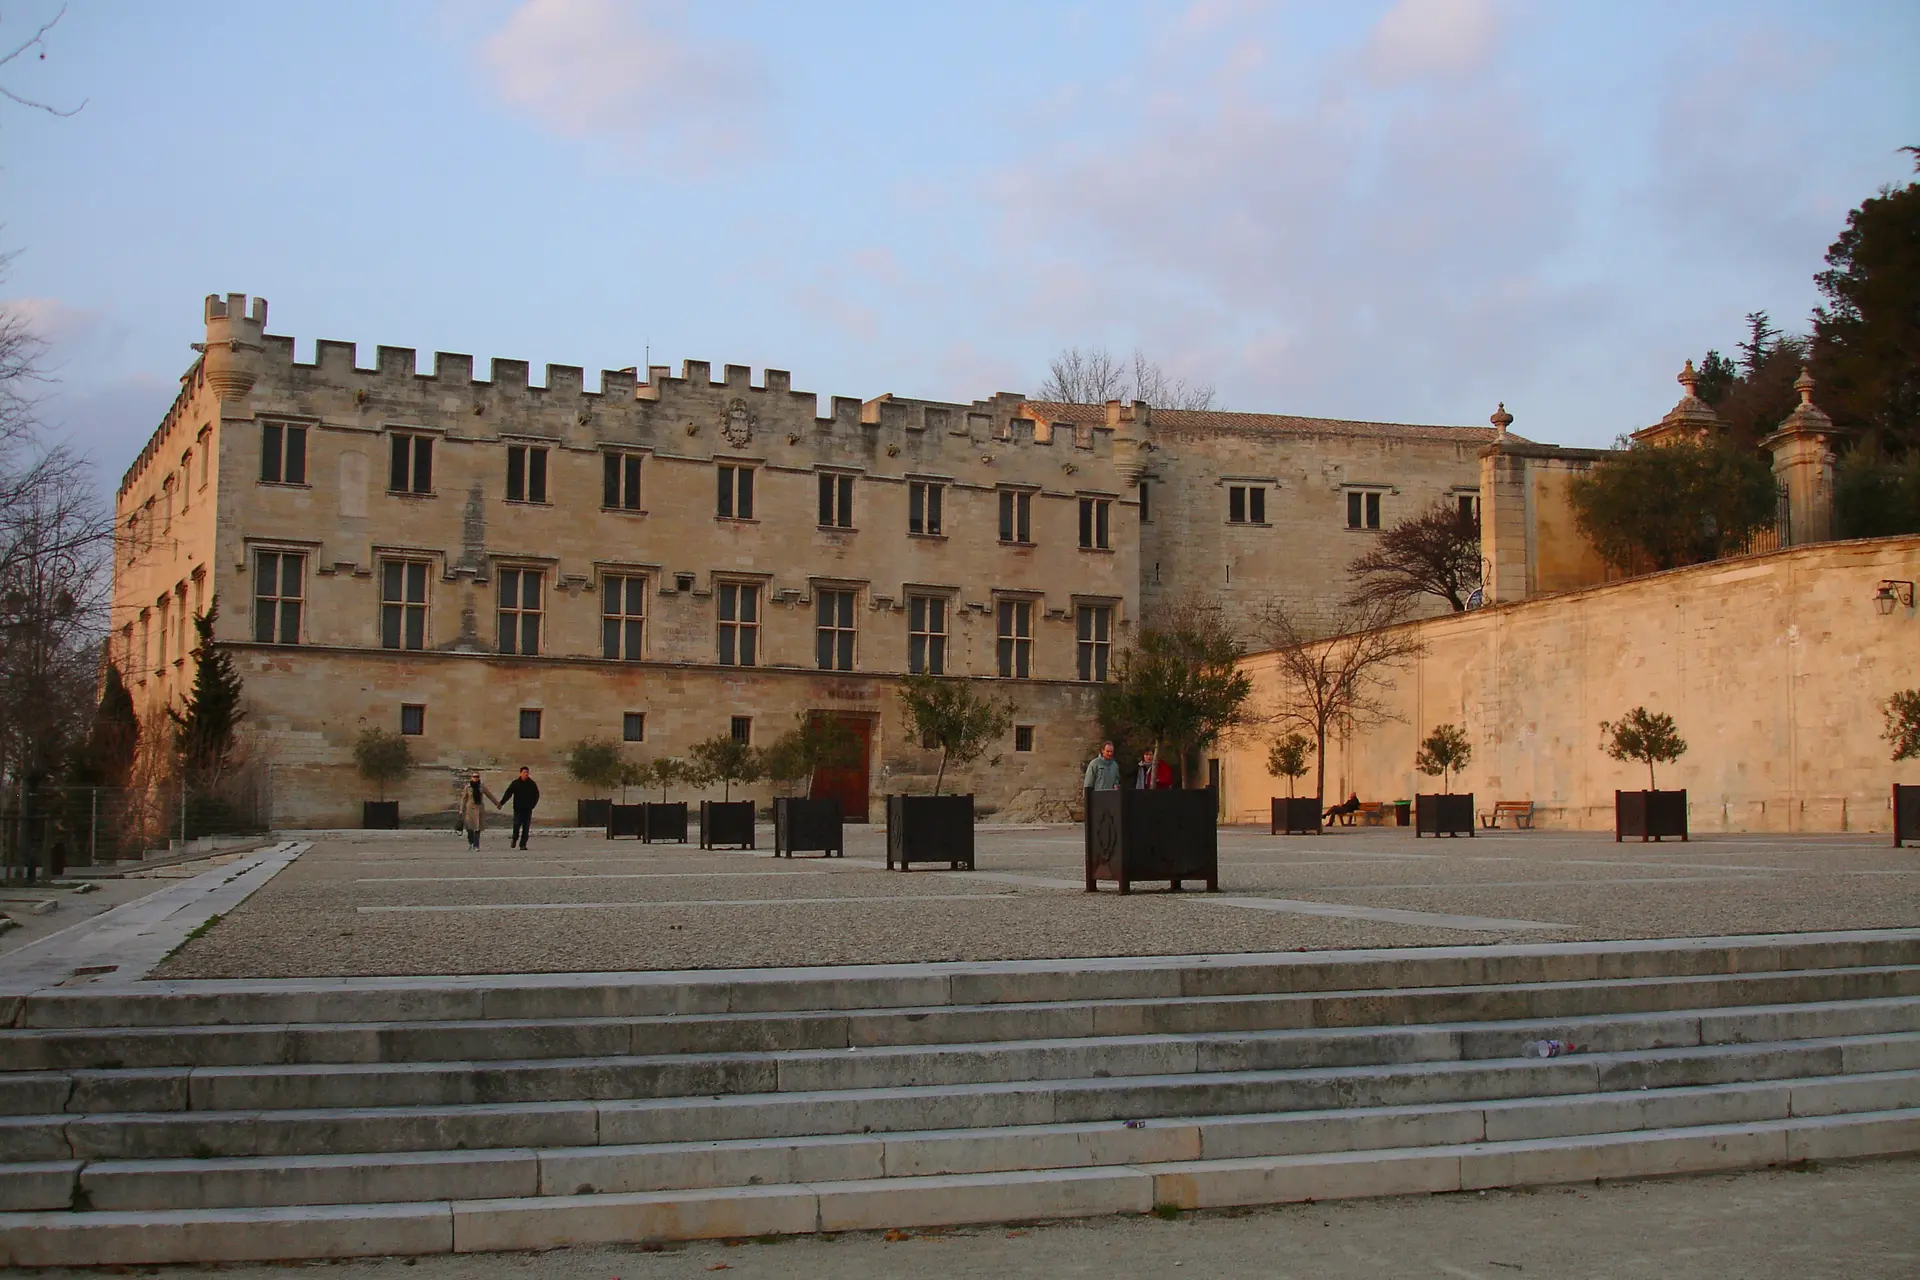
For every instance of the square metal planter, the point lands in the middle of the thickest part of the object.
(380, 815)
(592, 813)
(1906, 814)
(665, 822)
(1443, 815)
(1649, 815)
(726, 822)
(1152, 835)
(807, 826)
(930, 829)
(1293, 814)
(626, 820)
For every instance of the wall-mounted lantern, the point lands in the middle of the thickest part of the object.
(1892, 591)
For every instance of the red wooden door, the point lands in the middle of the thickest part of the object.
(848, 785)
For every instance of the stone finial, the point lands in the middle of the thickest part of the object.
(1804, 385)
(1691, 419)
(1806, 416)
(1689, 379)
(1501, 419)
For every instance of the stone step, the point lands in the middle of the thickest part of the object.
(502, 1038)
(501, 1173)
(900, 986)
(308, 1085)
(1020, 1101)
(103, 1238)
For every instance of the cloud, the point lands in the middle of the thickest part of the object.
(625, 71)
(1345, 251)
(1432, 39)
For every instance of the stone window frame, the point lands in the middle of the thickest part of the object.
(1015, 514)
(627, 469)
(522, 566)
(1094, 652)
(278, 548)
(948, 598)
(530, 451)
(736, 490)
(633, 726)
(833, 509)
(1372, 506)
(405, 560)
(625, 619)
(851, 588)
(420, 721)
(735, 627)
(279, 429)
(1008, 609)
(1023, 733)
(927, 502)
(418, 435)
(1095, 520)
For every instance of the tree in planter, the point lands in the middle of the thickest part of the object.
(635, 774)
(948, 714)
(1180, 686)
(596, 763)
(1337, 678)
(1287, 758)
(1643, 735)
(1903, 724)
(666, 771)
(726, 760)
(1436, 553)
(382, 757)
(814, 743)
(1444, 750)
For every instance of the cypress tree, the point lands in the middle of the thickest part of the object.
(203, 732)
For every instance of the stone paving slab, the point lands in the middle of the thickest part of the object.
(421, 903)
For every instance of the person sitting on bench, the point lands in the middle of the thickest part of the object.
(1350, 805)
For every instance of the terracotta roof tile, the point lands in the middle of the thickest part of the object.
(1214, 422)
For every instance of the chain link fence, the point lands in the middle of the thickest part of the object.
(45, 830)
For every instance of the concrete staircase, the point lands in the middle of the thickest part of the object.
(221, 1121)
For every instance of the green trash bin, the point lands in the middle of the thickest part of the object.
(1403, 813)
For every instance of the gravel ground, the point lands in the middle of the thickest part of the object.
(675, 907)
(1815, 1222)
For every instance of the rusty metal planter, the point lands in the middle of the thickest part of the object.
(807, 826)
(1906, 814)
(1152, 835)
(1295, 814)
(1443, 814)
(726, 822)
(930, 829)
(1649, 815)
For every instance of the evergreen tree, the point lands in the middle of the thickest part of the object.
(107, 757)
(204, 731)
(1866, 340)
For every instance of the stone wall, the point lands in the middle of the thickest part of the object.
(306, 706)
(1774, 668)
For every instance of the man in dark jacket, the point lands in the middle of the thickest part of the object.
(524, 794)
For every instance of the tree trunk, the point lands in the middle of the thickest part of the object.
(1650, 782)
(940, 776)
(1320, 763)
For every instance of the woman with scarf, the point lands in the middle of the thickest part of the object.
(473, 810)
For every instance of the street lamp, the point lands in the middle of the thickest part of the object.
(1893, 591)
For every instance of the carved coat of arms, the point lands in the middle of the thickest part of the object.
(736, 424)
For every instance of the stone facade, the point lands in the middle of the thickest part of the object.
(363, 528)
(1774, 668)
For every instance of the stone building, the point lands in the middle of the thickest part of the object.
(498, 569)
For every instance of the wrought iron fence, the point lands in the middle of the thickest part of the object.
(1778, 534)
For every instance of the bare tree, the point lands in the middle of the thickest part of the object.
(54, 578)
(1337, 678)
(1436, 553)
(1095, 376)
(38, 40)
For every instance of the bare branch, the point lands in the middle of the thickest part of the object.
(1338, 679)
(37, 40)
(1436, 553)
(1094, 376)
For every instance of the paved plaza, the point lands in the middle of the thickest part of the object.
(422, 903)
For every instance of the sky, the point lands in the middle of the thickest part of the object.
(1399, 210)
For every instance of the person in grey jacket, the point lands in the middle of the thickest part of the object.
(1103, 771)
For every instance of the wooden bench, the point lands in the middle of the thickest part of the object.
(1373, 813)
(1521, 811)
